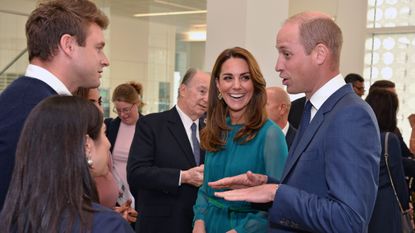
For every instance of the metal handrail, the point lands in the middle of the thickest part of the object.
(13, 61)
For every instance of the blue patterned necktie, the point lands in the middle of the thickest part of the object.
(195, 142)
(305, 120)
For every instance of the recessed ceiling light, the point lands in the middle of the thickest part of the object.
(171, 13)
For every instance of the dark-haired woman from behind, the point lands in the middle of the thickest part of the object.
(386, 217)
(62, 142)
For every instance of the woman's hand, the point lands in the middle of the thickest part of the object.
(199, 227)
(127, 212)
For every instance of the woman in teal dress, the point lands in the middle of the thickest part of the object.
(238, 137)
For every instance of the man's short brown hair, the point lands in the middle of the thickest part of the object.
(53, 19)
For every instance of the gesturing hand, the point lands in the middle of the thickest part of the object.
(258, 194)
(245, 180)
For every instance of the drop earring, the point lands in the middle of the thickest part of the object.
(220, 96)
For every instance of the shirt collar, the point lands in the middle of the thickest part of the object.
(47, 77)
(285, 129)
(187, 121)
(322, 94)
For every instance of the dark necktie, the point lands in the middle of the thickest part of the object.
(305, 120)
(195, 142)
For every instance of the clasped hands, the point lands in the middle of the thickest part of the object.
(127, 212)
(248, 187)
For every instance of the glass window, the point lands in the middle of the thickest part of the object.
(390, 52)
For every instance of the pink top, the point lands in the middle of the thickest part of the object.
(122, 148)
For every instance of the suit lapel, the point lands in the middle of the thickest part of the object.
(201, 126)
(300, 144)
(178, 132)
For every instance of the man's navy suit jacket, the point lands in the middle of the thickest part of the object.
(16, 102)
(330, 180)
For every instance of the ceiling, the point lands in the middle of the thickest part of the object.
(128, 8)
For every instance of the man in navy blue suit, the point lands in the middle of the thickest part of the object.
(65, 43)
(330, 180)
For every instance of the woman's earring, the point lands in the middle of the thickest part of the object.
(220, 96)
(90, 162)
(89, 159)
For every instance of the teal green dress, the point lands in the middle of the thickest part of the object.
(265, 154)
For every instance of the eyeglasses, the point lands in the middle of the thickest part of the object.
(124, 110)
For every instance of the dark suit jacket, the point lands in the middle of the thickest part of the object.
(330, 179)
(113, 125)
(386, 216)
(289, 137)
(16, 102)
(160, 149)
(296, 112)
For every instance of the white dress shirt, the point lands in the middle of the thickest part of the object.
(37, 72)
(322, 94)
(187, 123)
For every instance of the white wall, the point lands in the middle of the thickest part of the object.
(249, 24)
(350, 15)
(144, 52)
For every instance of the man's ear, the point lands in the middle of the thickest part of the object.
(283, 109)
(67, 44)
(320, 53)
(182, 89)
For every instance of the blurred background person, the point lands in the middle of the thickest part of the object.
(165, 165)
(357, 82)
(120, 131)
(383, 84)
(52, 189)
(238, 137)
(386, 216)
(296, 112)
(278, 107)
(91, 94)
(408, 162)
(110, 187)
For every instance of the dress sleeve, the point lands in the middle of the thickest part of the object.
(275, 152)
(253, 222)
(200, 207)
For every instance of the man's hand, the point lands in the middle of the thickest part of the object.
(193, 176)
(258, 194)
(245, 180)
